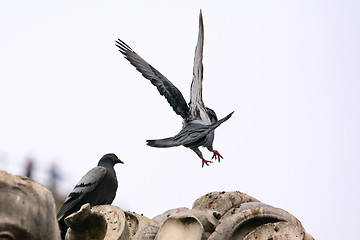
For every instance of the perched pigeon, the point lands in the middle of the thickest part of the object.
(96, 187)
(199, 121)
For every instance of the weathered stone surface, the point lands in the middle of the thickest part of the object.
(222, 201)
(308, 236)
(115, 217)
(109, 223)
(278, 230)
(215, 216)
(209, 219)
(27, 212)
(100, 222)
(27, 209)
(183, 223)
(162, 217)
(238, 222)
(141, 227)
(85, 224)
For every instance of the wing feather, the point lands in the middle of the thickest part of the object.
(197, 106)
(164, 86)
(86, 184)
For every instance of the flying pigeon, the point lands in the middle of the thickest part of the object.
(96, 187)
(199, 122)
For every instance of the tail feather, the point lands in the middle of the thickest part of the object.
(63, 228)
(189, 134)
(162, 143)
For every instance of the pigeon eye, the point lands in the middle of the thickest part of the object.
(113, 156)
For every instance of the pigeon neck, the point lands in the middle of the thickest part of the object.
(106, 164)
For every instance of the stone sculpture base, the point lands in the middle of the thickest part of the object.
(214, 216)
(27, 212)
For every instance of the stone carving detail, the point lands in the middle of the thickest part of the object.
(214, 216)
(27, 212)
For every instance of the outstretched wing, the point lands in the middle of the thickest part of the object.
(164, 86)
(197, 107)
(191, 133)
(86, 184)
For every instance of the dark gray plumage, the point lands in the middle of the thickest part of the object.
(199, 122)
(190, 136)
(96, 187)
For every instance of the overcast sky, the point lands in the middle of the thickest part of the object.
(289, 70)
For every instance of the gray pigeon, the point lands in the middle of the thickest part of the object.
(96, 187)
(199, 122)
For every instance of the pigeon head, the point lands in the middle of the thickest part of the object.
(109, 158)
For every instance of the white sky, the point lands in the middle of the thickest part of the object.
(289, 70)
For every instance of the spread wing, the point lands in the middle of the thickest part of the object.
(197, 107)
(164, 86)
(191, 133)
(86, 184)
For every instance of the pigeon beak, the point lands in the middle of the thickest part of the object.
(118, 161)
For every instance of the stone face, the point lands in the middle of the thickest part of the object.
(27, 209)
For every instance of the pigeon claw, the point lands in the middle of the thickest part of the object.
(205, 162)
(216, 155)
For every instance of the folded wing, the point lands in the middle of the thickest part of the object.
(86, 184)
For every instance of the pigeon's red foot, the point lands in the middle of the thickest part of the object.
(205, 162)
(216, 155)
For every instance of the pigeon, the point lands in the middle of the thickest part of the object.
(97, 187)
(199, 122)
